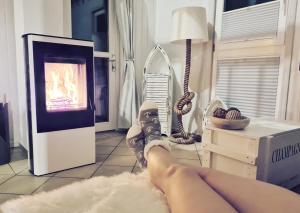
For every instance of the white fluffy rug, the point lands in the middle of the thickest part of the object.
(125, 193)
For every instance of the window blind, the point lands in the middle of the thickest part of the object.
(249, 84)
(251, 22)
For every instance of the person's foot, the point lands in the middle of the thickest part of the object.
(135, 142)
(149, 121)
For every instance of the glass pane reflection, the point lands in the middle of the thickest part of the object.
(234, 4)
(102, 89)
(90, 22)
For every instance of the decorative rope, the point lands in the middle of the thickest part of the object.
(184, 104)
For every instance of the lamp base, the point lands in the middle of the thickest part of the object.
(193, 138)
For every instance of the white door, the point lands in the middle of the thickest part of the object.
(94, 20)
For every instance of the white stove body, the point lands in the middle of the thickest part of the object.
(54, 151)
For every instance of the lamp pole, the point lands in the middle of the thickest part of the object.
(184, 104)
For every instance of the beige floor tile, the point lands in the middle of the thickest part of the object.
(123, 143)
(6, 170)
(3, 178)
(7, 197)
(26, 172)
(120, 160)
(122, 151)
(101, 158)
(55, 183)
(110, 141)
(109, 134)
(179, 153)
(190, 162)
(137, 169)
(104, 150)
(80, 172)
(22, 184)
(112, 170)
(19, 166)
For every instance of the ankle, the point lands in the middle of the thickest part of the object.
(156, 143)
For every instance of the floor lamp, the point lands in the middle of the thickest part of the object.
(189, 25)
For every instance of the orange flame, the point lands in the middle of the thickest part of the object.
(65, 86)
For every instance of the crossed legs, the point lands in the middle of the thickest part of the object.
(185, 190)
(191, 189)
(196, 190)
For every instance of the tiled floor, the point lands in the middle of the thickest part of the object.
(112, 155)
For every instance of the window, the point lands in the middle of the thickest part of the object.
(250, 59)
(237, 4)
(248, 23)
(249, 84)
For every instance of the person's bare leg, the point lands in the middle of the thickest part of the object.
(183, 187)
(185, 191)
(190, 190)
(248, 195)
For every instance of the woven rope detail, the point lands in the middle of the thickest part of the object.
(184, 104)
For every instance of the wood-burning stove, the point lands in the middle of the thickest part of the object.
(60, 103)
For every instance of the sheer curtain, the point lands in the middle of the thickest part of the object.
(8, 73)
(136, 27)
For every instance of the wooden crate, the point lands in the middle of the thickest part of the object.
(266, 150)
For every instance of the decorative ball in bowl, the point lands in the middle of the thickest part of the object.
(229, 119)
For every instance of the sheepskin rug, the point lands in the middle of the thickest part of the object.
(125, 193)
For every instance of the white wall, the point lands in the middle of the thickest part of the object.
(200, 79)
(34, 16)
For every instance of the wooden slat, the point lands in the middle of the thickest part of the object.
(229, 153)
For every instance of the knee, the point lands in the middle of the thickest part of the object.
(177, 170)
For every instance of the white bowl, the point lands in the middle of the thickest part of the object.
(230, 124)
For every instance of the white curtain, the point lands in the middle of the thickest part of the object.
(144, 33)
(136, 28)
(8, 74)
(128, 100)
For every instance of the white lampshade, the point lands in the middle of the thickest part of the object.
(189, 23)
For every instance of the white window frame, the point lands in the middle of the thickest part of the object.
(279, 46)
(263, 41)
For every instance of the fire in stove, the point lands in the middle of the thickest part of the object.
(66, 86)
